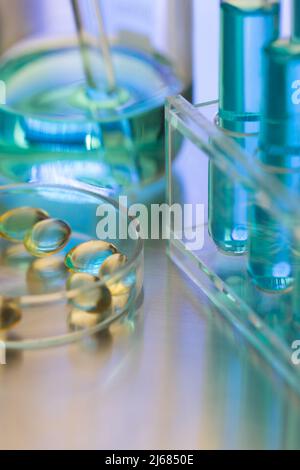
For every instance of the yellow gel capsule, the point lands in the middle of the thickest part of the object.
(10, 314)
(89, 256)
(46, 275)
(15, 223)
(88, 295)
(47, 237)
(80, 320)
(112, 264)
(120, 293)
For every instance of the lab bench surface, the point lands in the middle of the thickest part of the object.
(173, 377)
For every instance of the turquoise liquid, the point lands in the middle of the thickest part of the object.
(244, 32)
(52, 127)
(271, 253)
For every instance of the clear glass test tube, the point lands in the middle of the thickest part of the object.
(246, 26)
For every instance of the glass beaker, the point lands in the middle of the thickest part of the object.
(52, 128)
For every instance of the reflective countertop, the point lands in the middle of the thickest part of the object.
(175, 376)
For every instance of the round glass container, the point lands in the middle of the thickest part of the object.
(44, 309)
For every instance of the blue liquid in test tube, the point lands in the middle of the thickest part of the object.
(271, 253)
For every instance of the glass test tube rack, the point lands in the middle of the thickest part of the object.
(269, 321)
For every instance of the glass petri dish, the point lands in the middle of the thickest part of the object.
(45, 305)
